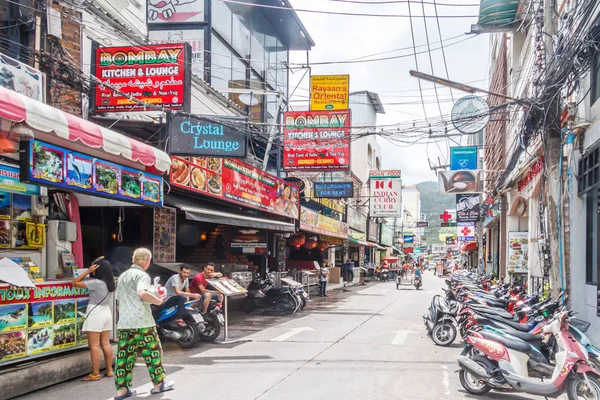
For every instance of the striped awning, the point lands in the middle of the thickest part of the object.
(46, 119)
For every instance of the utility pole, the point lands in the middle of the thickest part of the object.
(552, 149)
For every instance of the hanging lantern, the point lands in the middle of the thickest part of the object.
(322, 245)
(297, 240)
(310, 244)
(7, 146)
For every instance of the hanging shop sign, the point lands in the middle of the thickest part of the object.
(10, 181)
(311, 221)
(41, 320)
(175, 12)
(155, 74)
(423, 249)
(21, 78)
(357, 235)
(464, 157)
(408, 250)
(334, 190)
(329, 92)
(467, 207)
(236, 182)
(445, 232)
(422, 224)
(316, 140)
(249, 241)
(385, 194)
(373, 231)
(189, 135)
(470, 114)
(53, 166)
(409, 238)
(356, 220)
(460, 182)
(387, 235)
(164, 238)
(465, 231)
(518, 252)
(194, 37)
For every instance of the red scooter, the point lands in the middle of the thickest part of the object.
(502, 363)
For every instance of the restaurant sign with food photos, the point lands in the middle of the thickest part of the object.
(49, 165)
(236, 182)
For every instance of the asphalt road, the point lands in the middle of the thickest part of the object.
(369, 343)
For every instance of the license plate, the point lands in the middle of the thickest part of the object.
(305, 295)
(220, 318)
(198, 318)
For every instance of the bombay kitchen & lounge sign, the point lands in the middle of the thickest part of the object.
(192, 136)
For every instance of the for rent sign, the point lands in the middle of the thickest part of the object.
(385, 194)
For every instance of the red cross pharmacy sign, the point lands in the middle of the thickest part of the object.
(465, 231)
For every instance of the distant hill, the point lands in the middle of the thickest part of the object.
(433, 204)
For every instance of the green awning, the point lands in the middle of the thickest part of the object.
(497, 14)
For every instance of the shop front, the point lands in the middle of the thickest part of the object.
(58, 162)
(357, 237)
(230, 213)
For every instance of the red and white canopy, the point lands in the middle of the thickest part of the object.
(44, 118)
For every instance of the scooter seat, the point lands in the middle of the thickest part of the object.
(515, 344)
(493, 311)
(514, 325)
(526, 336)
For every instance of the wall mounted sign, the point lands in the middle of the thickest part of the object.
(49, 165)
(534, 170)
(356, 220)
(373, 231)
(329, 92)
(236, 182)
(164, 238)
(175, 12)
(249, 241)
(470, 114)
(316, 140)
(386, 235)
(21, 78)
(460, 182)
(334, 190)
(194, 136)
(194, 37)
(465, 231)
(463, 158)
(467, 207)
(311, 221)
(10, 181)
(518, 252)
(156, 74)
(422, 224)
(385, 194)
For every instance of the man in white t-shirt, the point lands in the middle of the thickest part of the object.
(178, 290)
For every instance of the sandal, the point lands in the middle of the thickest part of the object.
(127, 394)
(109, 374)
(91, 377)
(164, 387)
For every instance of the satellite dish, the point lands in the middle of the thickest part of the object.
(248, 99)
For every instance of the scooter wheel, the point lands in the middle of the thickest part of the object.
(248, 305)
(190, 336)
(577, 388)
(472, 384)
(443, 334)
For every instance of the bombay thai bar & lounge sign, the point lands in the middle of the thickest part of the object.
(236, 182)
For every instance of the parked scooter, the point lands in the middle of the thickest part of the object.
(440, 321)
(262, 294)
(502, 363)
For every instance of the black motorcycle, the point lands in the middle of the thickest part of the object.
(440, 321)
(262, 295)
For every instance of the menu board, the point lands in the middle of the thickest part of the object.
(49, 165)
(236, 182)
(165, 224)
(40, 320)
(227, 286)
(518, 252)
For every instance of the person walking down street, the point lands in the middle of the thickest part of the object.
(98, 316)
(323, 274)
(351, 271)
(440, 270)
(136, 328)
(345, 271)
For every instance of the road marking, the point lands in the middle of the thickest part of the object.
(291, 333)
(446, 380)
(401, 337)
